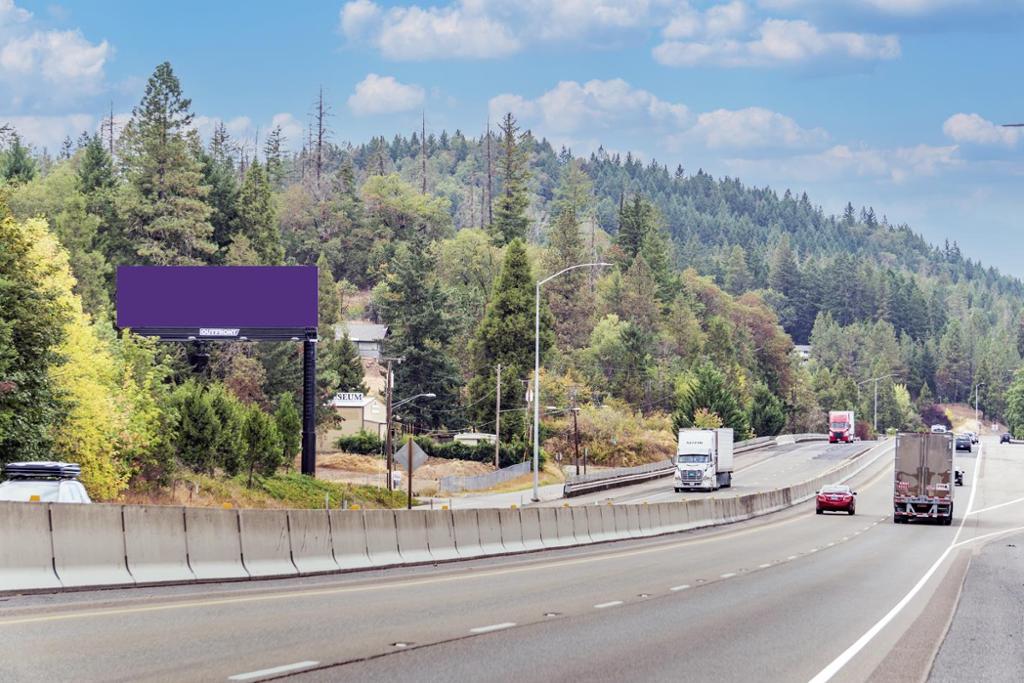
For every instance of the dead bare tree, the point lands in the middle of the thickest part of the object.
(423, 150)
(319, 133)
(490, 178)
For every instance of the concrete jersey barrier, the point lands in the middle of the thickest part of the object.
(88, 545)
(214, 545)
(311, 542)
(111, 545)
(26, 547)
(155, 544)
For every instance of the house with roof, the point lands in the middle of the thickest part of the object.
(368, 337)
(358, 413)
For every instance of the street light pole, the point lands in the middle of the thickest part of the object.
(977, 387)
(536, 374)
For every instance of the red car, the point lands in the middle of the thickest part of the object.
(836, 498)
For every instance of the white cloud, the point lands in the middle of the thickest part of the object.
(842, 161)
(291, 129)
(50, 131)
(721, 36)
(384, 95)
(482, 29)
(975, 129)
(571, 106)
(42, 64)
(751, 128)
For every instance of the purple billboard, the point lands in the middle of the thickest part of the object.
(217, 301)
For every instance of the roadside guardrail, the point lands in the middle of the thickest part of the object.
(624, 476)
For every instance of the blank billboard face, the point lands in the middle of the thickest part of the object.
(217, 301)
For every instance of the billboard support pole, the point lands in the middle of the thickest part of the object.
(309, 406)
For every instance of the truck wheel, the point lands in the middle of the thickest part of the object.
(678, 490)
(898, 519)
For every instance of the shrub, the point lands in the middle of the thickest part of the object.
(363, 443)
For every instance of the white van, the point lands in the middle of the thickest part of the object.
(938, 429)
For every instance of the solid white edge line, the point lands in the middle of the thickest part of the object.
(272, 671)
(728, 575)
(679, 588)
(492, 627)
(849, 653)
(603, 605)
(764, 566)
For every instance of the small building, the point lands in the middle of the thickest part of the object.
(368, 337)
(803, 352)
(473, 438)
(359, 413)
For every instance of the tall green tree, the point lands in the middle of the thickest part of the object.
(221, 176)
(289, 426)
(708, 389)
(510, 219)
(166, 216)
(32, 323)
(198, 428)
(767, 413)
(262, 452)
(338, 370)
(416, 308)
(257, 216)
(571, 308)
(16, 163)
(506, 336)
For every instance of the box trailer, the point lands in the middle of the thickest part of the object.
(923, 480)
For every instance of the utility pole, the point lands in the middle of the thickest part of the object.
(497, 422)
(408, 471)
(576, 431)
(490, 177)
(423, 149)
(389, 441)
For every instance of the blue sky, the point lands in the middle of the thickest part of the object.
(890, 103)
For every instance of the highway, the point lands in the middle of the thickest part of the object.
(792, 596)
(763, 469)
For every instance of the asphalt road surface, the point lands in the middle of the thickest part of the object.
(789, 597)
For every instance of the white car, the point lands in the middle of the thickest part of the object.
(43, 482)
(938, 429)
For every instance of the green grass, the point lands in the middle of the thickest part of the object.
(299, 491)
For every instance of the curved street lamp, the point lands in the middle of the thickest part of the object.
(536, 374)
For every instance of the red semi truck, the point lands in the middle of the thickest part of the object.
(840, 426)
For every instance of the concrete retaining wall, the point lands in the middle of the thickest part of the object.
(155, 544)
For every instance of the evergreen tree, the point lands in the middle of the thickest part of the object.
(328, 295)
(510, 220)
(198, 428)
(219, 174)
(273, 153)
(289, 427)
(262, 452)
(767, 414)
(506, 336)
(17, 164)
(636, 220)
(229, 415)
(783, 273)
(708, 390)
(416, 308)
(96, 168)
(257, 217)
(166, 216)
(737, 273)
(570, 308)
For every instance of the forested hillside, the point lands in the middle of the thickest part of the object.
(443, 237)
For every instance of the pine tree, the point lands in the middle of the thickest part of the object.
(767, 414)
(737, 273)
(506, 336)
(166, 215)
(636, 220)
(96, 168)
(262, 451)
(510, 220)
(289, 427)
(416, 308)
(783, 273)
(221, 176)
(257, 216)
(571, 309)
(17, 164)
(273, 153)
(198, 428)
(328, 295)
(709, 390)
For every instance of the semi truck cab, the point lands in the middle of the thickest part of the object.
(703, 460)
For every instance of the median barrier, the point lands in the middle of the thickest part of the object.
(563, 528)
(644, 522)
(441, 536)
(620, 516)
(581, 524)
(511, 530)
(467, 533)
(411, 527)
(489, 525)
(530, 519)
(266, 545)
(312, 547)
(672, 516)
(214, 544)
(26, 548)
(382, 537)
(88, 545)
(155, 544)
(601, 522)
(348, 539)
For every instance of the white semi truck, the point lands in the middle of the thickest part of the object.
(703, 460)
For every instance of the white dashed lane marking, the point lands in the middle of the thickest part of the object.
(492, 627)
